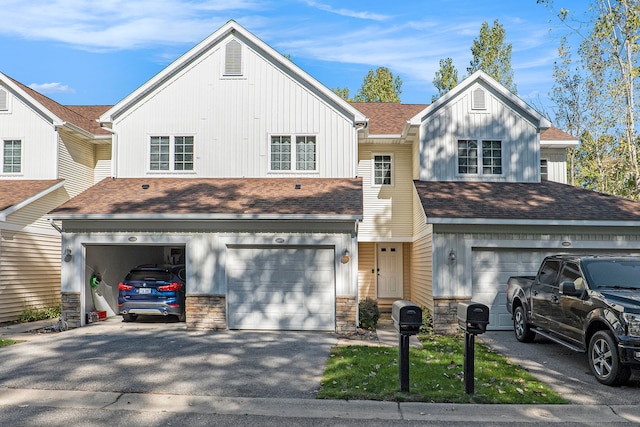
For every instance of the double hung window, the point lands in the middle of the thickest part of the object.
(12, 156)
(171, 153)
(480, 158)
(382, 169)
(289, 156)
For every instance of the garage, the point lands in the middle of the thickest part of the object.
(492, 269)
(281, 288)
(112, 263)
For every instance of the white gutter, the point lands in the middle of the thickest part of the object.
(5, 213)
(203, 217)
(491, 221)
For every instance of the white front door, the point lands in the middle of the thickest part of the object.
(389, 265)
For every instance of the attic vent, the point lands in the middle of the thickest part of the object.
(233, 59)
(479, 101)
(4, 100)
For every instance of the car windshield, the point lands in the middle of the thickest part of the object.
(612, 273)
(148, 275)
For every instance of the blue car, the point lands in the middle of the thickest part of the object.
(153, 290)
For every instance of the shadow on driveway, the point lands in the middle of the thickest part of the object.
(165, 357)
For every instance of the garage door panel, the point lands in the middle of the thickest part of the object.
(281, 288)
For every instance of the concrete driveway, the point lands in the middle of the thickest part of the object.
(164, 357)
(566, 371)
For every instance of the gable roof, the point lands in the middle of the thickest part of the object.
(484, 78)
(554, 137)
(231, 27)
(543, 203)
(216, 198)
(388, 118)
(15, 194)
(80, 117)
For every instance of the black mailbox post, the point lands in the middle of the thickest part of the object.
(473, 319)
(407, 319)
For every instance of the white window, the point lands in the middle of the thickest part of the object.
(165, 156)
(544, 169)
(287, 156)
(483, 159)
(4, 100)
(382, 169)
(12, 156)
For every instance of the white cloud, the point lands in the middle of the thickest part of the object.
(53, 87)
(349, 13)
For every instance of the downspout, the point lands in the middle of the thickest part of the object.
(54, 225)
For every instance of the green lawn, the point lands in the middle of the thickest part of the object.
(436, 374)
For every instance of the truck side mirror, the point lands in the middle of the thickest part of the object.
(569, 288)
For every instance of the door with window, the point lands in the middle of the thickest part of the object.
(389, 265)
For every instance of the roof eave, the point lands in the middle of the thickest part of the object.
(558, 143)
(5, 213)
(205, 217)
(542, 222)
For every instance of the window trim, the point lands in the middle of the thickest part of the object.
(7, 98)
(293, 154)
(479, 147)
(21, 172)
(546, 168)
(172, 154)
(373, 169)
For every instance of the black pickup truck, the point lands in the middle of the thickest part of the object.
(587, 303)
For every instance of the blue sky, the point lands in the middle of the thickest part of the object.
(87, 52)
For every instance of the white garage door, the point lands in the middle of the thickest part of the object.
(492, 269)
(290, 288)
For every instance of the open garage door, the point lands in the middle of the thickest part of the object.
(492, 269)
(283, 288)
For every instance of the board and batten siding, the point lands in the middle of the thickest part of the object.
(232, 119)
(388, 208)
(30, 265)
(556, 164)
(439, 133)
(38, 138)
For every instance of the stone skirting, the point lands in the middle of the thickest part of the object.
(346, 311)
(206, 311)
(71, 309)
(445, 315)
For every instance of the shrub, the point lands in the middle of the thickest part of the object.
(368, 313)
(427, 322)
(33, 314)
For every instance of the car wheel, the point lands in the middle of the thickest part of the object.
(604, 360)
(521, 327)
(129, 317)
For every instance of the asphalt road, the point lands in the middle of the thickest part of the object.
(566, 371)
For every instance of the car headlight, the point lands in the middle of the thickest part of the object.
(633, 324)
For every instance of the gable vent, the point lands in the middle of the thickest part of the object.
(233, 59)
(479, 100)
(4, 100)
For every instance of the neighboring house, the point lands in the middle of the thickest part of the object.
(288, 205)
(49, 154)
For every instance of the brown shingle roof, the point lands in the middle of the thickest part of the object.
(555, 134)
(522, 201)
(234, 196)
(13, 191)
(83, 117)
(388, 118)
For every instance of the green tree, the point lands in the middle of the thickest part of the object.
(607, 71)
(492, 55)
(342, 93)
(380, 86)
(446, 78)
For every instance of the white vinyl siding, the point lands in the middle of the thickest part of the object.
(234, 119)
(103, 162)
(556, 159)
(77, 162)
(437, 158)
(388, 208)
(29, 279)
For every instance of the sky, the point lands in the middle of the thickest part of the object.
(89, 52)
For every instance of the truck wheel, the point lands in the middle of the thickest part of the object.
(521, 327)
(604, 360)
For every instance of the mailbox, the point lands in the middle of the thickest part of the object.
(473, 317)
(407, 317)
